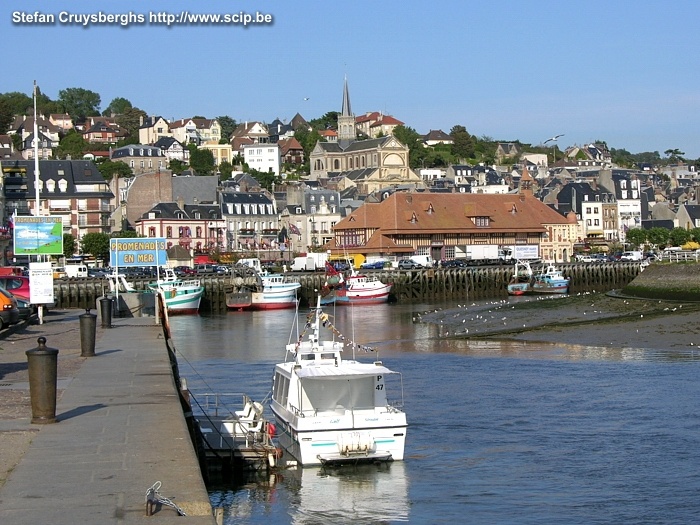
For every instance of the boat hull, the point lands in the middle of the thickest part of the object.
(277, 300)
(182, 299)
(339, 441)
(358, 296)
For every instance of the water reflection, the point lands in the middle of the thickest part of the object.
(359, 494)
(348, 494)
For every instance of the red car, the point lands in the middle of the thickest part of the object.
(17, 285)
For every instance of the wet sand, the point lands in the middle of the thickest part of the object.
(586, 319)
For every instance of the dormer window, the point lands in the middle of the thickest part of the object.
(481, 222)
(63, 185)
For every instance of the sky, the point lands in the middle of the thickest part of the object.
(625, 72)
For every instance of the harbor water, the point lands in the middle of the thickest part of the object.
(499, 432)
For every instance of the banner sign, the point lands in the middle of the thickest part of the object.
(40, 283)
(149, 251)
(40, 235)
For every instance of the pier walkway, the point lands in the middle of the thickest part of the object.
(120, 430)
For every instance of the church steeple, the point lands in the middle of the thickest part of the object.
(346, 120)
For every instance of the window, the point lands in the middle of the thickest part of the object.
(169, 231)
(481, 222)
(588, 211)
(199, 231)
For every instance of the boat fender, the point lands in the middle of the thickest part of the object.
(325, 290)
(271, 430)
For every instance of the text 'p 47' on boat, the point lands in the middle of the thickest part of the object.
(331, 410)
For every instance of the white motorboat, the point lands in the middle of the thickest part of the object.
(332, 410)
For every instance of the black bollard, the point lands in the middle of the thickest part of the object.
(106, 312)
(88, 327)
(43, 371)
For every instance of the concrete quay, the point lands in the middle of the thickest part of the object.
(120, 430)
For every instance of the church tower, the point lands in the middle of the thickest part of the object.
(346, 120)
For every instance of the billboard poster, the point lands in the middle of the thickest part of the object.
(40, 283)
(40, 235)
(149, 251)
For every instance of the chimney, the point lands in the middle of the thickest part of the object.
(181, 203)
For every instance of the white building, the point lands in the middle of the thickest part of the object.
(262, 157)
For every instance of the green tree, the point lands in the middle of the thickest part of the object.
(117, 107)
(463, 146)
(69, 245)
(674, 155)
(409, 137)
(266, 179)
(177, 166)
(73, 145)
(679, 236)
(130, 120)
(225, 169)
(19, 103)
(6, 116)
(228, 125)
(96, 244)
(110, 169)
(201, 160)
(695, 234)
(658, 236)
(125, 234)
(636, 236)
(327, 121)
(79, 103)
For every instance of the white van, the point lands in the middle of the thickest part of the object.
(632, 256)
(424, 260)
(76, 270)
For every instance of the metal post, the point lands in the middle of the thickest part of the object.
(106, 311)
(43, 371)
(88, 327)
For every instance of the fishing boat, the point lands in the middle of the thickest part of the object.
(330, 410)
(271, 292)
(181, 296)
(356, 288)
(550, 281)
(521, 281)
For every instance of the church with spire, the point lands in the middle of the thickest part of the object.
(369, 165)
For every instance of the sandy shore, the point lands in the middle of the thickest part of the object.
(586, 319)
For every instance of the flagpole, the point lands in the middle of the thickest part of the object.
(36, 159)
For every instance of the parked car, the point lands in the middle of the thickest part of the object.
(374, 265)
(17, 285)
(408, 264)
(205, 269)
(9, 312)
(97, 273)
(454, 263)
(184, 271)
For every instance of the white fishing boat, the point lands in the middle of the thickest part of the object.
(332, 410)
(181, 296)
(273, 292)
(354, 289)
(550, 281)
(521, 281)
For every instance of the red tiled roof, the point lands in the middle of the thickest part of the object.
(437, 212)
